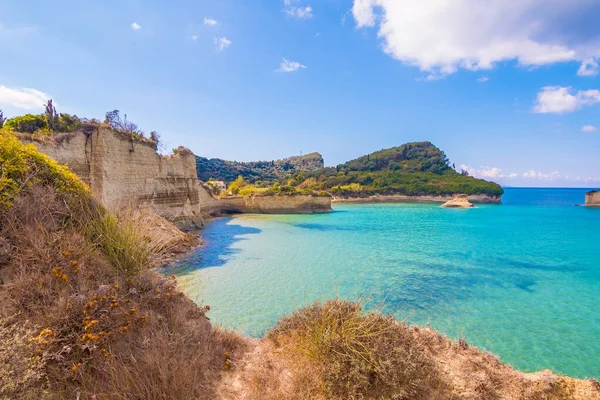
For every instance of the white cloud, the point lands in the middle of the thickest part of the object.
(485, 172)
(300, 12)
(135, 26)
(540, 176)
(494, 173)
(211, 22)
(23, 98)
(442, 36)
(194, 37)
(589, 128)
(588, 67)
(289, 66)
(482, 79)
(560, 100)
(222, 43)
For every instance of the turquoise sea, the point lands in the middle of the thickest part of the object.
(521, 279)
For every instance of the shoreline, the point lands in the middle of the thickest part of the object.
(395, 198)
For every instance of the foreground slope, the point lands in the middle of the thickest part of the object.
(83, 316)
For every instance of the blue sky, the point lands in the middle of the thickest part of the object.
(510, 92)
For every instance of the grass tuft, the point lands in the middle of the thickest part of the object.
(350, 354)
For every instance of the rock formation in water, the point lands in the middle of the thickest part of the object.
(592, 199)
(460, 201)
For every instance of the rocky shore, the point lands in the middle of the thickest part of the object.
(277, 204)
(395, 198)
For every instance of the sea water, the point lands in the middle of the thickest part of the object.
(521, 279)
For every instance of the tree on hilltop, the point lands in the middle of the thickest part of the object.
(51, 115)
(122, 125)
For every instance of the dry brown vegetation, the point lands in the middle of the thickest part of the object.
(85, 322)
(333, 350)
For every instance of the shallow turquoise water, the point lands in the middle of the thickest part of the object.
(521, 280)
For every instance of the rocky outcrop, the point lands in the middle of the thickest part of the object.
(398, 198)
(460, 201)
(592, 199)
(280, 204)
(123, 172)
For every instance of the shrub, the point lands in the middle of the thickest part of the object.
(287, 190)
(122, 124)
(24, 166)
(346, 354)
(27, 123)
(184, 151)
(235, 186)
(68, 123)
(121, 241)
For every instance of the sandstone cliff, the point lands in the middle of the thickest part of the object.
(592, 199)
(123, 171)
(297, 204)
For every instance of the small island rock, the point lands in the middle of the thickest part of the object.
(592, 199)
(460, 201)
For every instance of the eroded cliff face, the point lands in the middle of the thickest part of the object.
(297, 204)
(592, 198)
(128, 172)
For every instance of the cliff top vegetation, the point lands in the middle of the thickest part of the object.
(43, 126)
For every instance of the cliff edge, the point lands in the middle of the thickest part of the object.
(123, 171)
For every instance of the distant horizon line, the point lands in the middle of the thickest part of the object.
(549, 187)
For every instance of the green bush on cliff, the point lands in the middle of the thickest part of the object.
(27, 123)
(32, 123)
(23, 166)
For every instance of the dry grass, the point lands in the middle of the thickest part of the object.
(107, 327)
(21, 367)
(333, 350)
(164, 238)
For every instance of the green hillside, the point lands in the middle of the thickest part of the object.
(257, 171)
(413, 169)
